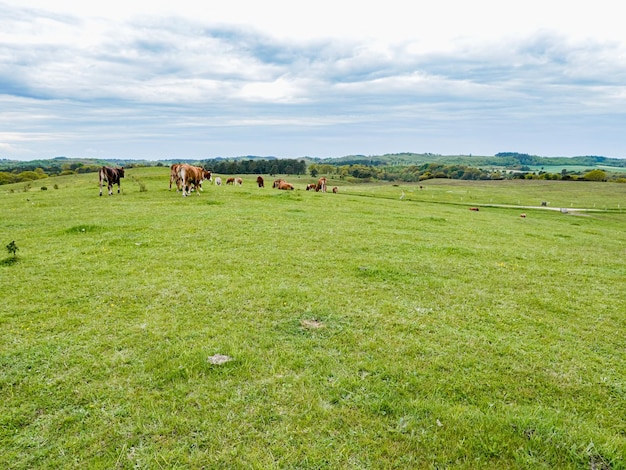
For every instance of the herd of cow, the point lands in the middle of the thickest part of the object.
(189, 178)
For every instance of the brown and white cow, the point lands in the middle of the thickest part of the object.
(238, 181)
(192, 176)
(111, 176)
(174, 177)
(277, 183)
(310, 187)
(260, 182)
(321, 185)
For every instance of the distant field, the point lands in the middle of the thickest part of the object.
(582, 169)
(386, 326)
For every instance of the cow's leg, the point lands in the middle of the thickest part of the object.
(110, 188)
(118, 187)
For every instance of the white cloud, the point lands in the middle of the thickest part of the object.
(138, 76)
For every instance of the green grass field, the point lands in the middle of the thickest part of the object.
(381, 327)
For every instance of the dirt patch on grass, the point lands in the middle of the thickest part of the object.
(312, 324)
(219, 359)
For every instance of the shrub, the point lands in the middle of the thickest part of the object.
(12, 248)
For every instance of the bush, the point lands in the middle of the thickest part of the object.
(12, 248)
(595, 175)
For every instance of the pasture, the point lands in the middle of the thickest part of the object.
(381, 327)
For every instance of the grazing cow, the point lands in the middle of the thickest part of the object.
(277, 183)
(310, 187)
(111, 176)
(474, 209)
(523, 216)
(218, 181)
(321, 185)
(335, 190)
(230, 181)
(260, 182)
(174, 176)
(544, 203)
(192, 176)
(238, 181)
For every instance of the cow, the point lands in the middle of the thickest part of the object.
(474, 209)
(321, 185)
(310, 187)
(523, 216)
(335, 190)
(174, 176)
(218, 181)
(230, 181)
(111, 176)
(238, 181)
(260, 182)
(285, 185)
(192, 175)
(277, 183)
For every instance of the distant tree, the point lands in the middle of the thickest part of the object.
(313, 171)
(595, 175)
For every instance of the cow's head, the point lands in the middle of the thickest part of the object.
(120, 171)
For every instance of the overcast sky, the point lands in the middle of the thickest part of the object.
(190, 79)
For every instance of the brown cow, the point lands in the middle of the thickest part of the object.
(335, 190)
(174, 177)
(230, 181)
(277, 183)
(285, 185)
(238, 181)
(111, 176)
(192, 175)
(474, 209)
(260, 182)
(310, 187)
(321, 185)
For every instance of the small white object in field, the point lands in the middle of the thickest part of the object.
(219, 359)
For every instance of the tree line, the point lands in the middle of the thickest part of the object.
(27, 171)
(280, 166)
(17, 172)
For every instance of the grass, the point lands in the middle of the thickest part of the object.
(380, 327)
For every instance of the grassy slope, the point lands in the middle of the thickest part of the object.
(449, 338)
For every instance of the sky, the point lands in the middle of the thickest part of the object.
(188, 79)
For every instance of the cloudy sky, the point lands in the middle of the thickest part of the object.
(188, 79)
